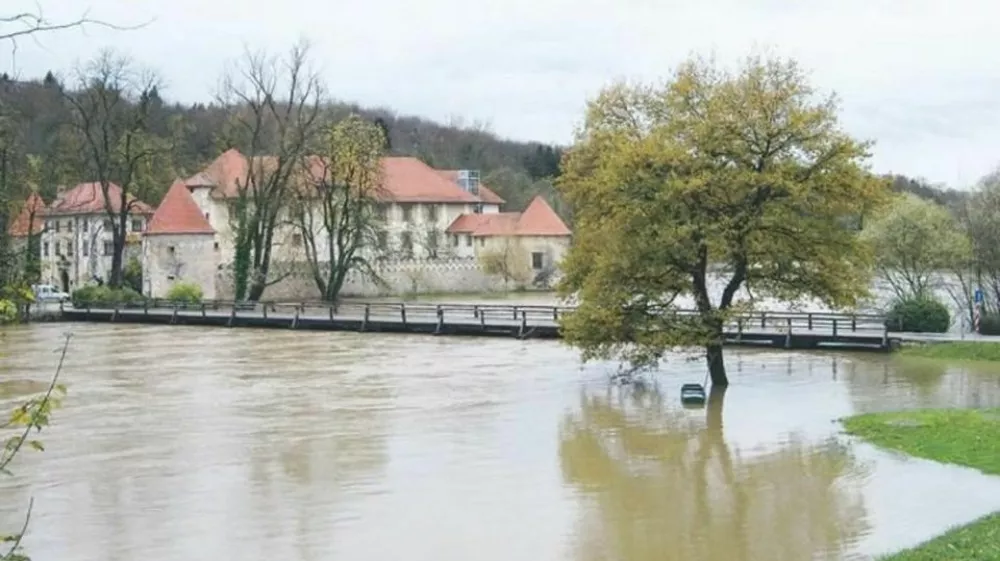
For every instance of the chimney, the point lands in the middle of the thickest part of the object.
(468, 180)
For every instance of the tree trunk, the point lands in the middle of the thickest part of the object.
(716, 364)
(257, 287)
(117, 269)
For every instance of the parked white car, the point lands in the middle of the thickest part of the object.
(48, 293)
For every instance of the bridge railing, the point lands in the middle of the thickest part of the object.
(525, 314)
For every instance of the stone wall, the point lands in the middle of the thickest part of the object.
(399, 277)
(171, 258)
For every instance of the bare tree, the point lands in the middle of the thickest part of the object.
(111, 110)
(275, 104)
(509, 262)
(338, 215)
(31, 23)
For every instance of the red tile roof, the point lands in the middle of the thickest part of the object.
(540, 220)
(408, 180)
(537, 220)
(88, 198)
(32, 211)
(486, 194)
(179, 214)
(404, 180)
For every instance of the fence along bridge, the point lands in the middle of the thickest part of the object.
(790, 330)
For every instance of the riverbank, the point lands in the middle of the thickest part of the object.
(987, 351)
(965, 437)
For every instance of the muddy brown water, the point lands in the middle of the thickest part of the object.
(198, 443)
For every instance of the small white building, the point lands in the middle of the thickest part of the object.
(179, 246)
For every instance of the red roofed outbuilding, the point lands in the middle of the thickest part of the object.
(179, 246)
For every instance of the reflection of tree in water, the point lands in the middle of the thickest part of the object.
(666, 488)
(879, 382)
(318, 449)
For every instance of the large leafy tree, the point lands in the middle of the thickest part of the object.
(746, 172)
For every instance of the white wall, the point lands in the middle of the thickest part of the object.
(172, 258)
(78, 241)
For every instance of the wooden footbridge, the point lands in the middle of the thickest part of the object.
(788, 330)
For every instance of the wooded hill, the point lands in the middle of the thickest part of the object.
(36, 111)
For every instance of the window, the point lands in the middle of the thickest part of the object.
(468, 240)
(69, 225)
(84, 246)
(108, 225)
(382, 239)
(206, 216)
(57, 225)
(407, 212)
(109, 247)
(84, 225)
(482, 242)
(216, 246)
(382, 212)
(454, 240)
(58, 247)
(432, 244)
(537, 260)
(296, 240)
(45, 249)
(136, 225)
(406, 244)
(432, 213)
(69, 249)
(478, 209)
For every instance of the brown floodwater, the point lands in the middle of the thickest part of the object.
(197, 443)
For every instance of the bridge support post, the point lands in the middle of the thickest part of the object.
(232, 315)
(555, 313)
(173, 316)
(788, 335)
(402, 314)
(834, 327)
(364, 320)
(295, 320)
(440, 323)
(331, 313)
(524, 325)
(810, 319)
(263, 310)
(515, 312)
(145, 307)
(114, 313)
(203, 312)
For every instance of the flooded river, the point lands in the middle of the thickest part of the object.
(188, 444)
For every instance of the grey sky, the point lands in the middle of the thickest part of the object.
(917, 76)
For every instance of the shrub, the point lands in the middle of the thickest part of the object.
(186, 292)
(101, 294)
(989, 324)
(132, 275)
(919, 315)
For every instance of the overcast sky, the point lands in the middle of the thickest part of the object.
(919, 77)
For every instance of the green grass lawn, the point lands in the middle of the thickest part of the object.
(959, 350)
(966, 437)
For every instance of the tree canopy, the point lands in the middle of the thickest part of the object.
(746, 172)
(914, 241)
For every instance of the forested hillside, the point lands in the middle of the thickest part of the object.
(36, 114)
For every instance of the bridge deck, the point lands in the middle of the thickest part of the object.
(792, 330)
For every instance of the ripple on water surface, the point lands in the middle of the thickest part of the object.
(186, 443)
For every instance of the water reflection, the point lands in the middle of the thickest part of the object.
(664, 484)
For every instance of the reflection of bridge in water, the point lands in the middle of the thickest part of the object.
(789, 330)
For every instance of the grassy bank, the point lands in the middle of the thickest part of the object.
(959, 350)
(959, 436)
